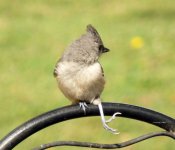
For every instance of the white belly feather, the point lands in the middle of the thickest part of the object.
(80, 82)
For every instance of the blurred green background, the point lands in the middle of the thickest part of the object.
(139, 70)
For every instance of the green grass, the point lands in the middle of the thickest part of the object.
(33, 34)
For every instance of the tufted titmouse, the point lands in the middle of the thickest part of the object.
(79, 74)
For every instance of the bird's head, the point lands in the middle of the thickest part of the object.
(87, 49)
(96, 39)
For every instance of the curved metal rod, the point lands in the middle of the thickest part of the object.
(70, 112)
(104, 146)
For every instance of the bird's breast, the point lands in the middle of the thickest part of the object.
(80, 81)
(74, 70)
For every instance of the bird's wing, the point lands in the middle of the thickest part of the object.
(102, 71)
(55, 73)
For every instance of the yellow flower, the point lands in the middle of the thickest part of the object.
(136, 42)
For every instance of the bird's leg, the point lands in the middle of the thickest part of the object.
(97, 101)
(83, 106)
(114, 131)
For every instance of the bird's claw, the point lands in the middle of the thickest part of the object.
(114, 131)
(83, 106)
(113, 117)
(104, 121)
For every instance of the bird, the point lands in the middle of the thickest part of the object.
(79, 74)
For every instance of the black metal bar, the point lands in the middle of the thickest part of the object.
(104, 146)
(70, 112)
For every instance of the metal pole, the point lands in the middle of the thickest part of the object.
(71, 112)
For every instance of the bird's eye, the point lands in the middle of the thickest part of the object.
(101, 47)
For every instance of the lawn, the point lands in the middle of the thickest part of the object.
(139, 69)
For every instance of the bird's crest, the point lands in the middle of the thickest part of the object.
(90, 29)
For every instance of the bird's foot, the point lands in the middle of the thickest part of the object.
(113, 117)
(104, 121)
(114, 131)
(83, 106)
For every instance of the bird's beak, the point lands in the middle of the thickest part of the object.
(105, 50)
